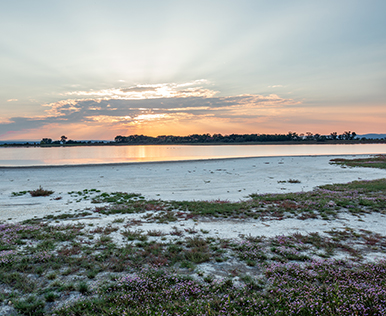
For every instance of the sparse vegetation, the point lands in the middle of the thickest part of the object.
(66, 251)
(20, 193)
(40, 192)
(376, 161)
(110, 267)
(289, 181)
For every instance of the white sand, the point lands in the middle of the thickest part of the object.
(228, 179)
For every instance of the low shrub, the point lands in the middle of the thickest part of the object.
(40, 192)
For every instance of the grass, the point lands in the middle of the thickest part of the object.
(83, 288)
(329, 288)
(50, 297)
(29, 306)
(43, 260)
(325, 202)
(355, 197)
(155, 233)
(20, 193)
(43, 263)
(376, 161)
(134, 235)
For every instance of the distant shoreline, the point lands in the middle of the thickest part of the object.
(302, 142)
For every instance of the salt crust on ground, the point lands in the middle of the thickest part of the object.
(229, 179)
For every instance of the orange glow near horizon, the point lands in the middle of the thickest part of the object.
(98, 119)
(155, 125)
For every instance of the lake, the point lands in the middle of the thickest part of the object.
(37, 156)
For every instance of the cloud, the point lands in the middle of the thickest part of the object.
(150, 91)
(12, 100)
(145, 105)
(276, 86)
(4, 120)
(82, 108)
(138, 89)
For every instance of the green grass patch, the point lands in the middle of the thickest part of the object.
(376, 161)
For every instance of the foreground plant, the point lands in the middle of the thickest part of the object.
(40, 192)
(318, 288)
(38, 264)
(355, 197)
(376, 161)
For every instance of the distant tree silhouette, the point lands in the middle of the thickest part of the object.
(309, 136)
(232, 138)
(63, 139)
(348, 135)
(46, 141)
(119, 139)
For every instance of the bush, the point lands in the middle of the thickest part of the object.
(40, 192)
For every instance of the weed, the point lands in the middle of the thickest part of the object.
(253, 284)
(294, 181)
(83, 287)
(92, 274)
(165, 217)
(187, 264)
(191, 230)
(67, 272)
(67, 287)
(29, 306)
(20, 193)
(134, 235)
(176, 232)
(221, 259)
(116, 197)
(174, 248)
(50, 297)
(18, 281)
(196, 242)
(197, 255)
(41, 192)
(209, 278)
(155, 232)
(51, 276)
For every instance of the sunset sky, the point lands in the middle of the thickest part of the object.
(96, 69)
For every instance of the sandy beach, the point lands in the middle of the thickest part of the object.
(226, 179)
(345, 235)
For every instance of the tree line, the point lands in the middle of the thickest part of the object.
(203, 139)
(64, 140)
(232, 138)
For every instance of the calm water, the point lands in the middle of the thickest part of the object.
(120, 154)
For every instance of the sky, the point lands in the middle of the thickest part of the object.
(97, 69)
